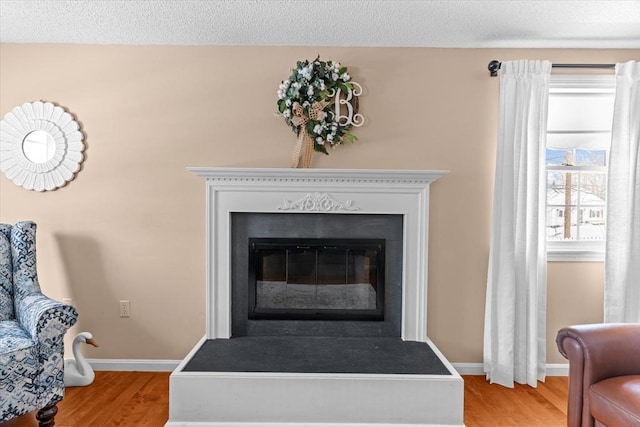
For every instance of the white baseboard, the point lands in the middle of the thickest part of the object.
(141, 365)
(553, 369)
(469, 368)
(153, 365)
(557, 369)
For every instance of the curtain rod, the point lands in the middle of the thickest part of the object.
(494, 66)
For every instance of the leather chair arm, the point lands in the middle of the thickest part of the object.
(609, 349)
(596, 352)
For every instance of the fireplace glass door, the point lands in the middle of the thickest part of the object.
(316, 279)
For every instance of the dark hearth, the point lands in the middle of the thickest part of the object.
(317, 355)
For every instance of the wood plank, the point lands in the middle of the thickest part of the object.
(491, 405)
(127, 399)
(555, 389)
(141, 399)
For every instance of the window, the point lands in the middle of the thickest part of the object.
(578, 139)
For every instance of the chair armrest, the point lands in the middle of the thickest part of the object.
(45, 319)
(608, 349)
(596, 352)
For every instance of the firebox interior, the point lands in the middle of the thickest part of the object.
(312, 279)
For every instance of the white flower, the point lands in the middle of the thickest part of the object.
(304, 86)
(306, 71)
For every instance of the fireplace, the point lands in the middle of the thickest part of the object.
(316, 304)
(316, 279)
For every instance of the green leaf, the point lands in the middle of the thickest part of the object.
(310, 125)
(350, 137)
(320, 148)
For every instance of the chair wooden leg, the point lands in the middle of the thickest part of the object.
(46, 415)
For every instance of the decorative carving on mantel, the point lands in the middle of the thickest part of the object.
(317, 202)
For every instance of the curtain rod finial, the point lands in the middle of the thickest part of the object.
(493, 67)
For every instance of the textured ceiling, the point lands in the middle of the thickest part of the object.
(429, 23)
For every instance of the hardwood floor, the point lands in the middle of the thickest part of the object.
(141, 399)
(487, 405)
(127, 399)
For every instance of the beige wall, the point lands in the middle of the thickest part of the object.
(130, 226)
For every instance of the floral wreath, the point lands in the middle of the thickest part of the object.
(305, 102)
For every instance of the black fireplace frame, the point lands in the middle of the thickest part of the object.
(246, 225)
(318, 245)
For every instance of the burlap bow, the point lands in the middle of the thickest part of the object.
(304, 139)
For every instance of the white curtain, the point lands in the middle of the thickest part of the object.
(622, 265)
(515, 311)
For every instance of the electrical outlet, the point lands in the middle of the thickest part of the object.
(125, 308)
(67, 301)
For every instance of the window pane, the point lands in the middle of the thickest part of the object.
(575, 157)
(562, 188)
(590, 157)
(573, 224)
(591, 224)
(593, 188)
(561, 224)
(557, 157)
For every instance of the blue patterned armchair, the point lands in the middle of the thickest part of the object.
(32, 328)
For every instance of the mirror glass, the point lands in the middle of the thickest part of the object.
(39, 146)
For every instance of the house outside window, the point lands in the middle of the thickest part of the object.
(577, 151)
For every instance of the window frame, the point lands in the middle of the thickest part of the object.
(576, 84)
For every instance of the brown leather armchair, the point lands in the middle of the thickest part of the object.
(604, 374)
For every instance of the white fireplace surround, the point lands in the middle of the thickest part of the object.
(269, 399)
(355, 191)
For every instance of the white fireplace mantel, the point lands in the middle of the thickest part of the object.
(245, 398)
(330, 191)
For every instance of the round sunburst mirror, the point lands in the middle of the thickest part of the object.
(40, 146)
